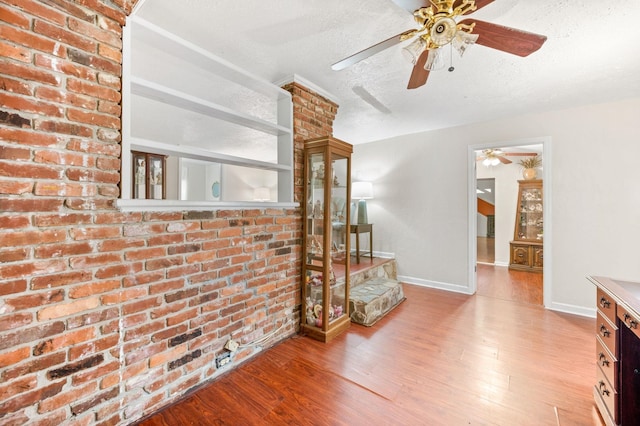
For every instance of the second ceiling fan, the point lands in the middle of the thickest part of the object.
(438, 28)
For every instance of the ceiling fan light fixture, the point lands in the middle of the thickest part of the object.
(412, 51)
(435, 61)
(462, 41)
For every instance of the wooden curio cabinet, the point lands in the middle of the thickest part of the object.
(526, 252)
(149, 172)
(325, 265)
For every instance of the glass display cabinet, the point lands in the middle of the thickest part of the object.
(149, 175)
(526, 247)
(325, 265)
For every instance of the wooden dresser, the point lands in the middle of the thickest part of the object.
(617, 388)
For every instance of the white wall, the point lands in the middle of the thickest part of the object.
(421, 214)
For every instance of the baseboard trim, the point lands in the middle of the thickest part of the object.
(456, 288)
(572, 309)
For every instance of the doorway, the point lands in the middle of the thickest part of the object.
(501, 178)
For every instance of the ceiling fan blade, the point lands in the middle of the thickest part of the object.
(372, 50)
(419, 75)
(504, 160)
(411, 5)
(510, 40)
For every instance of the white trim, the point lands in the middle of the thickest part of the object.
(309, 85)
(572, 309)
(456, 288)
(383, 255)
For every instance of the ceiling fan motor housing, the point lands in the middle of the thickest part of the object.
(443, 31)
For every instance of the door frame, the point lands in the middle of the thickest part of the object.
(545, 141)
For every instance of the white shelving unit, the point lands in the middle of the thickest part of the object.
(182, 101)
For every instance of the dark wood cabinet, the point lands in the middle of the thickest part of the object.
(617, 388)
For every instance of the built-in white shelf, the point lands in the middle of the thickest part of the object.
(204, 72)
(158, 92)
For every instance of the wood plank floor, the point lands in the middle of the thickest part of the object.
(439, 358)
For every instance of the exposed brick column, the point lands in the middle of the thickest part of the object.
(313, 117)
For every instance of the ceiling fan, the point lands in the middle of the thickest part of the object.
(438, 28)
(493, 157)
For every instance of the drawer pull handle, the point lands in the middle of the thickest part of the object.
(604, 331)
(604, 303)
(629, 321)
(603, 388)
(603, 359)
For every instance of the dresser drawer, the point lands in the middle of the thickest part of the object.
(630, 320)
(606, 305)
(608, 333)
(607, 362)
(607, 395)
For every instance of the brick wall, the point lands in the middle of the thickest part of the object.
(108, 316)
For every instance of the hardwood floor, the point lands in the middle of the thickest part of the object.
(439, 358)
(506, 284)
(486, 250)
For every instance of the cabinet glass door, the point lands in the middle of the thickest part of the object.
(530, 220)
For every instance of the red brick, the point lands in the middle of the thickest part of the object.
(182, 317)
(65, 67)
(92, 318)
(144, 330)
(94, 32)
(66, 309)
(93, 288)
(141, 305)
(66, 98)
(14, 255)
(70, 338)
(99, 148)
(65, 398)
(93, 90)
(165, 357)
(18, 53)
(95, 260)
(62, 250)
(62, 35)
(26, 399)
(124, 295)
(28, 300)
(95, 233)
(90, 348)
(10, 271)
(29, 170)
(28, 138)
(13, 357)
(130, 270)
(93, 118)
(145, 253)
(31, 40)
(57, 280)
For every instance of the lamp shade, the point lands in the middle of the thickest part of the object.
(362, 190)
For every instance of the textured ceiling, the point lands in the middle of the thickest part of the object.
(591, 55)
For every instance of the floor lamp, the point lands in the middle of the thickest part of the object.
(362, 191)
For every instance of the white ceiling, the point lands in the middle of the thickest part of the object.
(591, 55)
